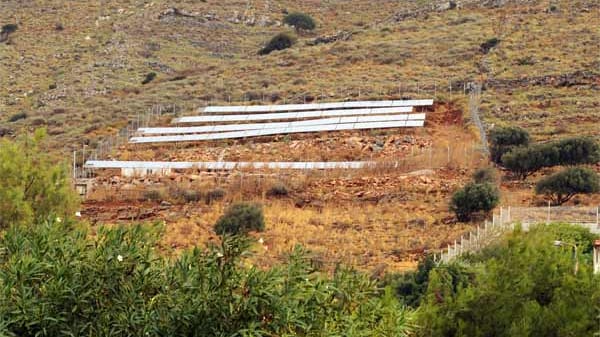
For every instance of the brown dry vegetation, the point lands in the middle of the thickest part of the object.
(366, 218)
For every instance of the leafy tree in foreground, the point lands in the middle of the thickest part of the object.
(300, 21)
(474, 198)
(564, 185)
(32, 186)
(523, 286)
(280, 41)
(61, 281)
(504, 139)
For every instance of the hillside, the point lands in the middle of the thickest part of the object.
(77, 67)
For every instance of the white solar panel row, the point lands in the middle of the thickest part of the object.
(291, 115)
(276, 131)
(260, 126)
(107, 164)
(317, 106)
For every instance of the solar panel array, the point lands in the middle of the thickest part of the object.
(289, 115)
(208, 165)
(261, 126)
(303, 118)
(278, 131)
(318, 106)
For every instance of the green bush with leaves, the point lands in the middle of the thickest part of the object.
(280, 41)
(300, 21)
(521, 286)
(33, 187)
(564, 185)
(474, 198)
(61, 281)
(411, 286)
(525, 161)
(504, 139)
(149, 77)
(488, 45)
(17, 117)
(241, 218)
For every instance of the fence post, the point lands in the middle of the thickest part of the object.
(74, 165)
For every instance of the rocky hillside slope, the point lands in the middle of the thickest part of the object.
(77, 67)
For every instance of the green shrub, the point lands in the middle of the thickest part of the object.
(33, 187)
(474, 198)
(525, 161)
(278, 190)
(192, 196)
(62, 281)
(280, 41)
(411, 286)
(300, 21)
(152, 195)
(149, 77)
(575, 151)
(562, 186)
(9, 28)
(214, 195)
(504, 139)
(485, 175)
(488, 45)
(18, 116)
(240, 218)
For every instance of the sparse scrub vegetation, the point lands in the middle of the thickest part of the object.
(153, 195)
(300, 21)
(214, 195)
(192, 196)
(149, 77)
(488, 45)
(280, 41)
(241, 218)
(17, 117)
(7, 29)
(278, 190)
(564, 185)
(485, 175)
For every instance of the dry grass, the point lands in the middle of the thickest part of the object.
(84, 81)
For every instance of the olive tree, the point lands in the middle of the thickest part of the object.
(564, 185)
(504, 139)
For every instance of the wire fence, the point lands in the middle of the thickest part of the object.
(526, 217)
(104, 148)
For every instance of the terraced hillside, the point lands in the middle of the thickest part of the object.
(77, 67)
